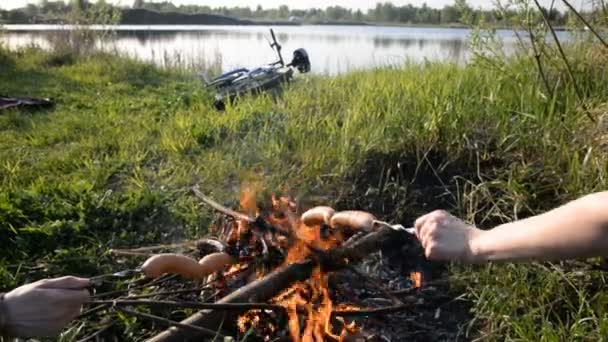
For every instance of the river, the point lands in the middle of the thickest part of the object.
(332, 49)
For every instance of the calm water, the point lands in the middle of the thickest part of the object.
(332, 49)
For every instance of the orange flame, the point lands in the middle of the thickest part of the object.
(248, 199)
(416, 278)
(310, 299)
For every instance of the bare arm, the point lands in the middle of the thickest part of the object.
(575, 230)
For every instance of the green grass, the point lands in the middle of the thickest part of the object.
(108, 167)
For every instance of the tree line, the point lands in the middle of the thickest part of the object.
(460, 12)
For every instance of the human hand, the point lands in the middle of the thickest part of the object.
(45, 307)
(445, 237)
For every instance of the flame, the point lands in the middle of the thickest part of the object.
(248, 198)
(308, 304)
(416, 278)
(313, 298)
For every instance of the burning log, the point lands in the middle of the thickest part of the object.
(272, 284)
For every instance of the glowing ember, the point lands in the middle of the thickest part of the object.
(416, 278)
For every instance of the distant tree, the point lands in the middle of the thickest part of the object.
(459, 11)
(283, 11)
(43, 6)
(17, 17)
(466, 12)
(31, 10)
(338, 13)
(450, 14)
(358, 16)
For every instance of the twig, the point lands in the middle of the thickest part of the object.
(258, 221)
(375, 283)
(127, 253)
(152, 283)
(166, 293)
(580, 17)
(153, 248)
(370, 312)
(213, 295)
(97, 333)
(193, 305)
(200, 288)
(92, 311)
(219, 207)
(425, 285)
(169, 322)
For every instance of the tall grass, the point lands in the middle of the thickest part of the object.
(108, 167)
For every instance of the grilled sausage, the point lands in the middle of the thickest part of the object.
(160, 264)
(353, 220)
(214, 262)
(318, 215)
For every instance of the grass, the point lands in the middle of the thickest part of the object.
(109, 165)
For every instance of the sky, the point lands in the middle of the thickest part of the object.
(361, 4)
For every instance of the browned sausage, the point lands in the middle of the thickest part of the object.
(214, 262)
(160, 264)
(354, 220)
(318, 215)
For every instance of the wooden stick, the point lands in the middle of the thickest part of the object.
(153, 282)
(193, 305)
(154, 248)
(166, 293)
(370, 312)
(219, 207)
(127, 253)
(169, 322)
(91, 311)
(97, 333)
(258, 221)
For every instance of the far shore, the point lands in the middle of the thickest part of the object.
(143, 26)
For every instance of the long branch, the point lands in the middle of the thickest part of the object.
(215, 205)
(192, 305)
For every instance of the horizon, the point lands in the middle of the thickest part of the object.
(304, 4)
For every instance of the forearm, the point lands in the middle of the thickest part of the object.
(575, 230)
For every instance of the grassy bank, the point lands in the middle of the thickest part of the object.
(108, 166)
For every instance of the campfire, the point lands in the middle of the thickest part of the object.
(276, 272)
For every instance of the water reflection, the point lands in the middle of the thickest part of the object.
(333, 49)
